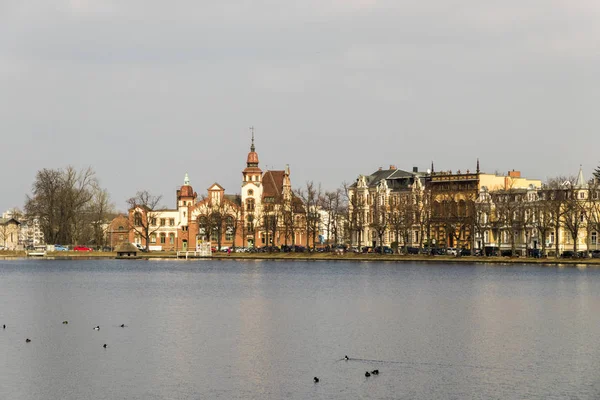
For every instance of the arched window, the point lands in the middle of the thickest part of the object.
(250, 205)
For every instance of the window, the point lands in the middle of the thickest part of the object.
(250, 192)
(163, 222)
(121, 238)
(171, 221)
(184, 228)
(551, 238)
(137, 219)
(153, 238)
(152, 221)
(171, 238)
(594, 238)
(250, 205)
(163, 238)
(581, 195)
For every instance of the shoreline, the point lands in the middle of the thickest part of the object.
(313, 257)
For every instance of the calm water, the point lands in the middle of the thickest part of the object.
(263, 330)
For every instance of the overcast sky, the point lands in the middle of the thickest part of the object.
(145, 91)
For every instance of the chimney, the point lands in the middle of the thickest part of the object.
(514, 174)
(392, 167)
(380, 169)
(415, 169)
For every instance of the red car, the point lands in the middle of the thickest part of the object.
(81, 248)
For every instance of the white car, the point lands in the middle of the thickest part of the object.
(451, 251)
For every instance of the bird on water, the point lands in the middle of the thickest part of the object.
(97, 328)
(375, 372)
(65, 322)
(105, 345)
(346, 358)
(27, 340)
(122, 325)
(316, 379)
(367, 374)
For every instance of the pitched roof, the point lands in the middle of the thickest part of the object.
(396, 178)
(5, 221)
(273, 183)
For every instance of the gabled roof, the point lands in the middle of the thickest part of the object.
(6, 221)
(273, 183)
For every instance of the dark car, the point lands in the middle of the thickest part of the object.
(535, 253)
(383, 250)
(595, 253)
(568, 254)
(465, 252)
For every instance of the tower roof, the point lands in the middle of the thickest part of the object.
(580, 183)
(186, 190)
(252, 160)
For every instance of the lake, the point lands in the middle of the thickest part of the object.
(263, 329)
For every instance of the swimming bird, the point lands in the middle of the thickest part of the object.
(346, 358)
(375, 372)
(367, 374)
(316, 379)
(27, 340)
(97, 328)
(4, 326)
(65, 322)
(122, 325)
(105, 345)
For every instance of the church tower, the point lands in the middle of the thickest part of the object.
(252, 189)
(252, 173)
(186, 197)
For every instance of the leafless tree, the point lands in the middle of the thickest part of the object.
(144, 211)
(310, 199)
(59, 200)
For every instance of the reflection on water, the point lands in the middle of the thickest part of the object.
(263, 330)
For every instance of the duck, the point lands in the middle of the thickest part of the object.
(346, 358)
(65, 322)
(105, 345)
(97, 328)
(367, 374)
(27, 340)
(375, 372)
(122, 325)
(4, 326)
(316, 379)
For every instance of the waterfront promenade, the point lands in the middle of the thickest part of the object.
(360, 257)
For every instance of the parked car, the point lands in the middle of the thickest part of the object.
(59, 247)
(535, 253)
(386, 250)
(82, 248)
(465, 252)
(595, 253)
(451, 251)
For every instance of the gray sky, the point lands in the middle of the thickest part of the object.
(145, 91)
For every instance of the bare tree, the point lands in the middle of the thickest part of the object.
(356, 205)
(59, 200)
(310, 198)
(144, 211)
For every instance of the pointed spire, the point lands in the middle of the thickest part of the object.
(580, 183)
(186, 180)
(432, 167)
(252, 146)
(477, 170)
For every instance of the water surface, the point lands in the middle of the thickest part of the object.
(264, 329)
